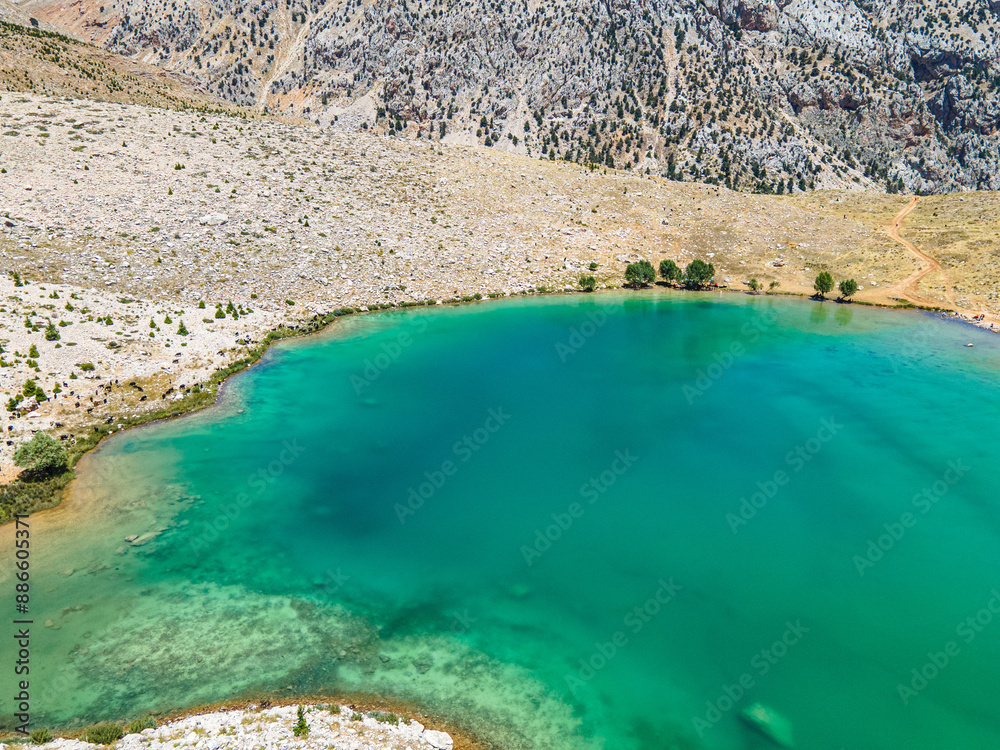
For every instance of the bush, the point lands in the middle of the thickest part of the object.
(386, 717)
(103, 734)
(86, 366)
(587, 283)
(137, 725)
(182, 329)
(669, 271)
(698, 273)
(41, 736)
(52, 333)
(41, 456)
(848, 287)
(823, 284)
(639, 274)
(301, 728)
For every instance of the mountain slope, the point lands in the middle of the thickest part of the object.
(757, 95)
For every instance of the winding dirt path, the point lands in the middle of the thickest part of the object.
(909, 288)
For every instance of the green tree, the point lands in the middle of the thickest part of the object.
(33, 352)
(587, 283)
(41, 456)
(51, 332)
(823, 284)
(698, 273)
(848, 288)
(301, 728)
(754, 285)
(773, 285)
(182, 329)
(669, 271)
(639, 274)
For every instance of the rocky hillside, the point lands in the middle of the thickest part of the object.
(759, 95)
(35, 58)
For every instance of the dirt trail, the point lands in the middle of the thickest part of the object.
(909, 288)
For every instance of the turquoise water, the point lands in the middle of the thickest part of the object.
(537, 519)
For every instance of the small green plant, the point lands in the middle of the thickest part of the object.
(592, 266)
(587, 283)
(301, 728)
(33, 352)
(386, 717)
(182, 329)
(86, 366)
(52, 333)
(41, 736)
(137, 725)
(220, 313)
(357, 716)
(289, 302)
(103, 734)
(201, 304)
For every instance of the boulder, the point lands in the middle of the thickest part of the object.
(440, 740)
(213, 220)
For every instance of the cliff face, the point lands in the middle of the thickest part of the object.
(766, 95)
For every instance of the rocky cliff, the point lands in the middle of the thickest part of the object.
(755, 94)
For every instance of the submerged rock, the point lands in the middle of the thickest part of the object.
(769, 722)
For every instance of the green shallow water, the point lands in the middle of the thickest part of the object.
(577, 573)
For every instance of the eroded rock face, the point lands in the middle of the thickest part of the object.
(699, 89)
(758, 15)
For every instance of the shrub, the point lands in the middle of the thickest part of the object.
(33, 352)
(639, 274)
(698, 273)
(182, 329)
(52, 333)
(386, 717)
(137, 725)
(587, 283)
(201, 304)
(848, 287)
(103, 734)
(669, 271)
(301, 728)
(86, 366)
(41, 736)
(41, 456)
(219, 313)
(823, 284)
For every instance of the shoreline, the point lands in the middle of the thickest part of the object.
(408, 713)
(320, 323)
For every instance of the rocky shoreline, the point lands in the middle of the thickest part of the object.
(329, 726)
